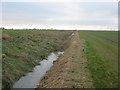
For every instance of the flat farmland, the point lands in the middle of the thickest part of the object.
(90, 58)
(101, 51)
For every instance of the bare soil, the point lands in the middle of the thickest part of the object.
(70, 70)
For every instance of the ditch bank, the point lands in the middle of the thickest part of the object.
(23, 50)
(31, 80)
(70, 70)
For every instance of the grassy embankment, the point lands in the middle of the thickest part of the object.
(101, 50)
(23, 49)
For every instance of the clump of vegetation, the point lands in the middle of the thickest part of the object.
(101, 50)
(23, 49)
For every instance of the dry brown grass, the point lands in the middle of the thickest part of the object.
(6, 36)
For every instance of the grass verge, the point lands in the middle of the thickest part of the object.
(102, 57)
(102, 74)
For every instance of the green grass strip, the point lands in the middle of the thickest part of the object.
(103, 75)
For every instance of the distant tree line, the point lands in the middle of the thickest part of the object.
(2, 28)
(29, 29)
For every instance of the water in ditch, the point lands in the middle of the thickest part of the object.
(32, 79)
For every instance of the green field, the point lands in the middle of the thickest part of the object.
(23, 49)
(101, 50)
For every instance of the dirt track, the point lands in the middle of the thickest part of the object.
(70, 70)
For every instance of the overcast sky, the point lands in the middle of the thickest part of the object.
(60, 15)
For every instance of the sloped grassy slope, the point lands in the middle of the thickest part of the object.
(23, 49)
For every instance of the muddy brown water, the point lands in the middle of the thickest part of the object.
(32, 79)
